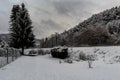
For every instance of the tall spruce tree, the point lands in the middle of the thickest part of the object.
(21, 28)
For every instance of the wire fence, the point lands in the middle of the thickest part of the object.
(8, 55)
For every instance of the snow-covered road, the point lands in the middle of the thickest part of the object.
(47, 68)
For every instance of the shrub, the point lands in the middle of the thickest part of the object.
(33, 52)
(82, 56)
(91, 57)
(46, 51)
(116, 59)
(41, 52)
(59, 52)
(96, 50)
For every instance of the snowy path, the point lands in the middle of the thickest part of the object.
(47, 68)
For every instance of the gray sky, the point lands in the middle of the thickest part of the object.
(50, 16)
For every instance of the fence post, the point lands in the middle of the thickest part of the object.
(1, 63)
(7, 55)
(15, 54)
(12, 54)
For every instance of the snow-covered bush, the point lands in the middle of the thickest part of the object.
(96, 50)
(91, 57)
(59, 52)
(116, 59)
(37, 52)
(33, 52)
(41, 52)
(46, 51)
(82, 56)
(103, 53)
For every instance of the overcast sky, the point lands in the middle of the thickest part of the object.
(50, 16)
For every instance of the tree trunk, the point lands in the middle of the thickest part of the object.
(22, 51)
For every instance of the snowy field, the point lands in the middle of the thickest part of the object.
(48, 68)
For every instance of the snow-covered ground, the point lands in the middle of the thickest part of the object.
(48, 68)
(110, 54)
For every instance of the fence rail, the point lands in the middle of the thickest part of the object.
(7, 55)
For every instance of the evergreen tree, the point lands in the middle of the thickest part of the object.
(21, 28)
(14, 26)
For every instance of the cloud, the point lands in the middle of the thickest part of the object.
(50, 24)
(48, 27)
(51, 16)
(67, 7)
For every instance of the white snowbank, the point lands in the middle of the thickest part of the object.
(109, 53)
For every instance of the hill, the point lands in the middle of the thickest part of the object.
(108, 20)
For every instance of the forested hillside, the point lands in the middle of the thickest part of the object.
(100, 29)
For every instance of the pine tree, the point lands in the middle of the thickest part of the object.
(21, 28)
(14, 26)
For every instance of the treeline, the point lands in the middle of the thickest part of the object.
(100, 29)
(90, 37)
(55, 40)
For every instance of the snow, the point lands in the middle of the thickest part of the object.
(110, 52)
(48, 68)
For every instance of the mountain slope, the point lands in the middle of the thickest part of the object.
(102, 19)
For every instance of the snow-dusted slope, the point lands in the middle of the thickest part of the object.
(111, 53)
(48, 68)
